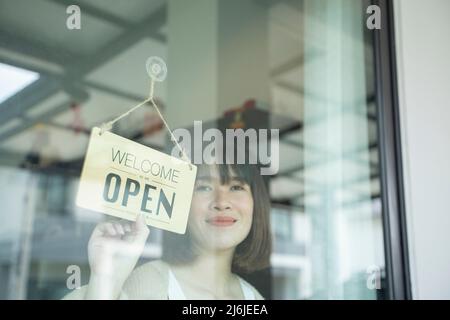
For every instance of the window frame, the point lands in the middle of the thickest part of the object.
(390, 156)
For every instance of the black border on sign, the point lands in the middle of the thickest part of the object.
(390, 157)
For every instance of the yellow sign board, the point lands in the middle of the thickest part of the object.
(123, 178)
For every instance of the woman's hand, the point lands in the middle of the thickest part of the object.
(113, 251)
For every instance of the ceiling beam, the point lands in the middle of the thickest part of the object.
(114, 91)
(27, 122)
(287, 66)
(18, 104)
(123, 42)
(96, 12)
(32, 48)
(46, 86)
(105, 16)
(62, 78)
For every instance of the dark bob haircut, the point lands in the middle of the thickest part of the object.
(253, 253)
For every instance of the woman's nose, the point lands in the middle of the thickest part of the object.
(220, 202)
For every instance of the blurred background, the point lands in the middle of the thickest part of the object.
(306, 68)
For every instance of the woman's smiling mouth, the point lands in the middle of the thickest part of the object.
(221, 221)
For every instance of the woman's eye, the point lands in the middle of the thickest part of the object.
(237, 187)
(203, 188)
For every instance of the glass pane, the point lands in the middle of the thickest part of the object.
(341, 182)
(299, 71)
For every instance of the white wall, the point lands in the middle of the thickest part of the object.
(423, 57)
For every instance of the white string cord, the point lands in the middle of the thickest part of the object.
(108, 126)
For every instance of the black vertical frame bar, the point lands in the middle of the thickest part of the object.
(390, 157)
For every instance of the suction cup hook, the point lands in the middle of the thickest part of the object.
(156, 68)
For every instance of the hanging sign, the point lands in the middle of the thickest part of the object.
(123, 178)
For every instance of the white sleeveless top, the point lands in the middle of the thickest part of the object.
(174, 291)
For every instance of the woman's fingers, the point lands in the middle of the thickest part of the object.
(141, 229)
(119, 229)
(109, 229)
(137, 231)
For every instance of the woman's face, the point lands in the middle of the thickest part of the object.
(221, 214)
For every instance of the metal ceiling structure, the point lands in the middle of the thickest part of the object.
(65, 71)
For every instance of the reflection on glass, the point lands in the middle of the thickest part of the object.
(338, 176)
(302, 67)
